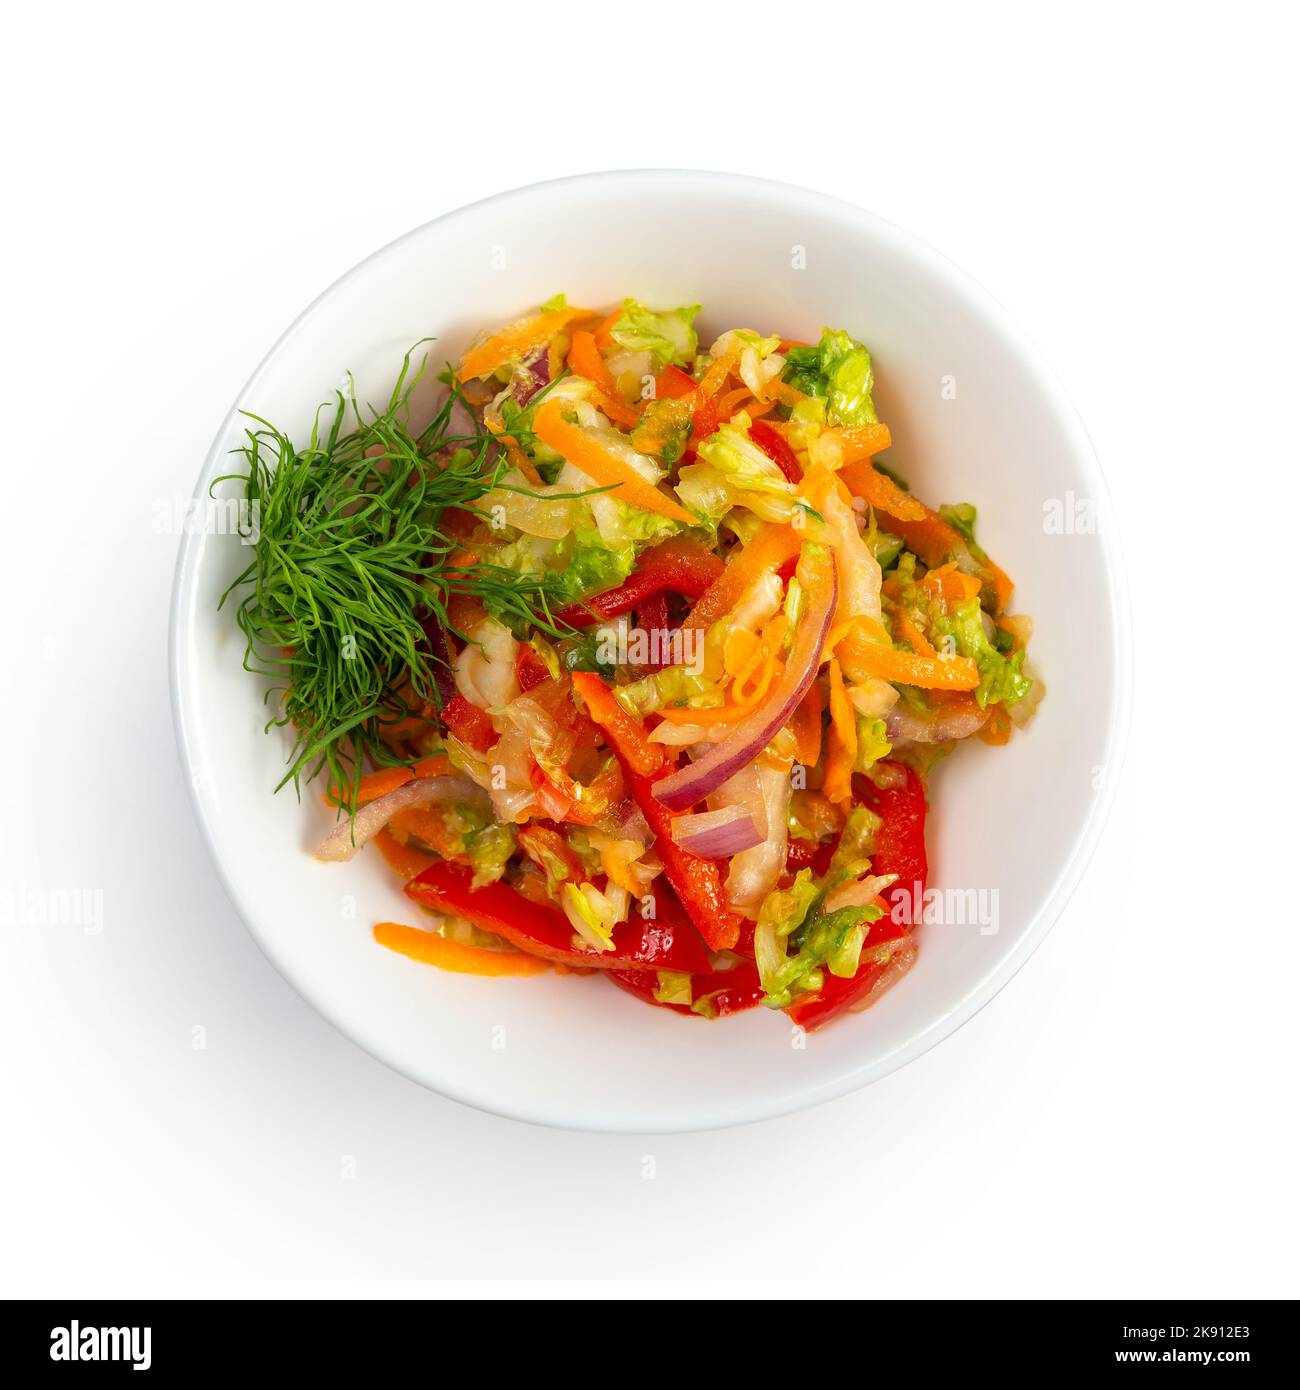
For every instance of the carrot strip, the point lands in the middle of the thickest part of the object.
(882, 493)
(841, 710)
(764, 665)
(863, 659)
(603, 464)
(859, 442)
(430, 829)
(605, 332)
(808, 727)
(373, 785)
(407, 860)
(515, 340)
(774, 544)
(585, 360)
(437, 765)
(912, 635)
(431, 949)
(841, 742)
(950, 585)
(643, 756)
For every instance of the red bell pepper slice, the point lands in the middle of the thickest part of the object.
(673, 383)
(625, 733)
(900, 849)
(728, 991)
(668, 942)
(900, 841)
(530, 669)
(776, 449)
(696, 881)
(642, 984)
(740, 990)
(469, 723)
(676, 566)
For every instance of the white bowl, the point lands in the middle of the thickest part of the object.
(975, 416)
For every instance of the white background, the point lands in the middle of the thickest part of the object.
(1121, 1120)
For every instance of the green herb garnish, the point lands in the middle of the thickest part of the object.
(349, 566)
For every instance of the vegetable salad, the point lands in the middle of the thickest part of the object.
(633, 660)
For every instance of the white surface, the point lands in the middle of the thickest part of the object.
(1119, 1121)
(1012, 826)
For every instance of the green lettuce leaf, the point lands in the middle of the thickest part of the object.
(838, 368)
(1002, 679)
(668, 335)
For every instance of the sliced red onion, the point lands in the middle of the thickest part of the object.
(349, 835)
(630, 823)
(694, 782)
(536, 373)
(717, 834)
(905, 725)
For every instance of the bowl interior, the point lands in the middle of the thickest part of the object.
(974, 418)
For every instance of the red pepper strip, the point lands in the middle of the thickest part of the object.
(469, 723)
(643, 984)
(900, 841)
(836, 997)
(696, 881)
(776, 449)
(651, 617)
(662, 944)
(678, 566)
(673, 383)
(900, 849)
(740, 991)
(530, 669)
(625, 733)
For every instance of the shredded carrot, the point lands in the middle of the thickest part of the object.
(807, 727)
(515, 340)
(785, 393)
(950, 585)
(772, 546)
(738, 650)
(715, 378)
(729, 401)
(515, 454)
(430, 829)
(862, 659)
(859, 442)
(882, 493)
(912, 635)
(603, 464)
(788, 343)
(929, 536)
(437, 765)
(585, 360)
(841, 710)
(841, 741)
(373, 785)
(764, 666)
(431, 949)
(605, 333)
(645, 758)
(407, 860)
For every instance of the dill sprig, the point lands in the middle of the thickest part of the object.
(349, 566)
